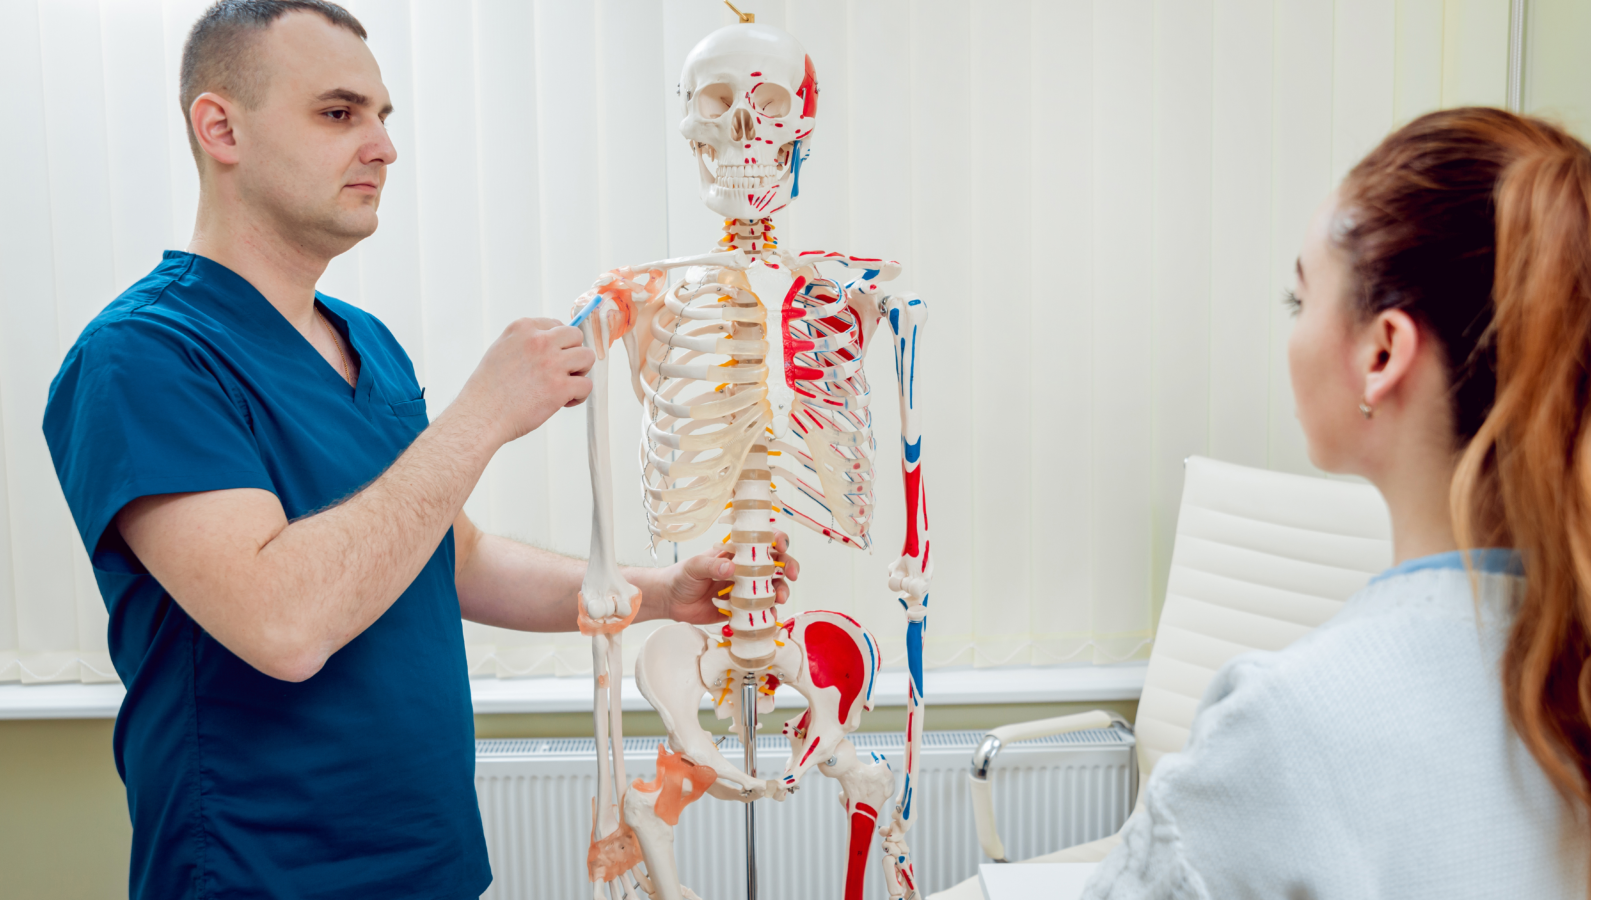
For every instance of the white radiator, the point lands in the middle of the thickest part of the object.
(1054, 792)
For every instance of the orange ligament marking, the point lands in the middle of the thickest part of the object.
(592, 627)
(672, 769)
(724, 591)
(613, 855)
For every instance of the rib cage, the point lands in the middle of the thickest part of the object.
(704, 378)
(822, 341)
(693, 445)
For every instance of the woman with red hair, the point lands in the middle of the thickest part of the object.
(1432, 739)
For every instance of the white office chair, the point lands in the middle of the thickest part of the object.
(1260, 559)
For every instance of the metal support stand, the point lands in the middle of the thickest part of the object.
(750, 766)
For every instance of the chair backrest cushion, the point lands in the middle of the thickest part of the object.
(1260, 559)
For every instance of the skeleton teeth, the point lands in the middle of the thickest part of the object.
(747, 176)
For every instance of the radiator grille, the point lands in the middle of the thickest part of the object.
(534, 795)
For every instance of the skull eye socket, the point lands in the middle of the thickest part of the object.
(771, 100)
(713, 100)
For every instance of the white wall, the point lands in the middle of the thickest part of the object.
(1100, 201)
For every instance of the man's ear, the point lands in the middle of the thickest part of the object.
(1389, 351)
(211, 117)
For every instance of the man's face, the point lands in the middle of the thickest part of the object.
(314, 154)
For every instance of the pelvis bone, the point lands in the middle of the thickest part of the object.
(827, 656)
(841, 666)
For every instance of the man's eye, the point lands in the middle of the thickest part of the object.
(338, 114)
(1292, 302)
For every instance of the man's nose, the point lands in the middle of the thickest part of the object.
(379, 148)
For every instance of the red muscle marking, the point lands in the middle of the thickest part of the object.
(835, 661)
(862, 821)
(808, 92)
(913, 481)
(755, 74)
(809, 750)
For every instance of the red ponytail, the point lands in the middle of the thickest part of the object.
(1476, 223)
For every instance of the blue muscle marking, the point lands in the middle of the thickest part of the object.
(872, 655)
(894, 320)
(794, 151)
(905, 808)
(913, 451)
(869, 274)
(914, 652)
(911, 393)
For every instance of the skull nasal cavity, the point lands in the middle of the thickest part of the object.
(744, 127)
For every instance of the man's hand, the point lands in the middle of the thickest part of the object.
(534, 368)
(689, 586)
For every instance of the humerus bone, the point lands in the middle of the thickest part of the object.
(606, 604)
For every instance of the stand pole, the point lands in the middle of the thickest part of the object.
(750, 766)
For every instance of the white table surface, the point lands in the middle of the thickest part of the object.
(1034, 881)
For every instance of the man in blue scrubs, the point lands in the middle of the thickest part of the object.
(275, 525)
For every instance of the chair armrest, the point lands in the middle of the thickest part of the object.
(989, 749)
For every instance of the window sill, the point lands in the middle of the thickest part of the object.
(944, 687)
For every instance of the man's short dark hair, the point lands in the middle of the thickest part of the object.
(220, 54)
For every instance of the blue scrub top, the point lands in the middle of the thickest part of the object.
(357, 782)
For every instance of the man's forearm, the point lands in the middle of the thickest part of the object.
(508, 584)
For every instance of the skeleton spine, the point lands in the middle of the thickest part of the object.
(752, 616)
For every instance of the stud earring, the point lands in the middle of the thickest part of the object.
(1366, 410)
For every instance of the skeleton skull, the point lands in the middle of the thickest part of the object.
(750, 101)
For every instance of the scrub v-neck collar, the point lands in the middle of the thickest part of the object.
(252, 313)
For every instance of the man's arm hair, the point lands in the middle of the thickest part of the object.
(509, 584)
(285, 596)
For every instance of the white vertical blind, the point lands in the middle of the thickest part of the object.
(1099, 199)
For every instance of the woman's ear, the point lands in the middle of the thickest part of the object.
(1389, 350)
(211, 117)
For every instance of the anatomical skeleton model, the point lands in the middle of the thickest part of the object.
(713, 454)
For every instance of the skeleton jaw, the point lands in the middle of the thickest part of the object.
(741, 183)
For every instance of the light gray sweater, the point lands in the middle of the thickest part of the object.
(1371, 758)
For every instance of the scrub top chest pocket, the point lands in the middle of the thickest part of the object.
(414, 413)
